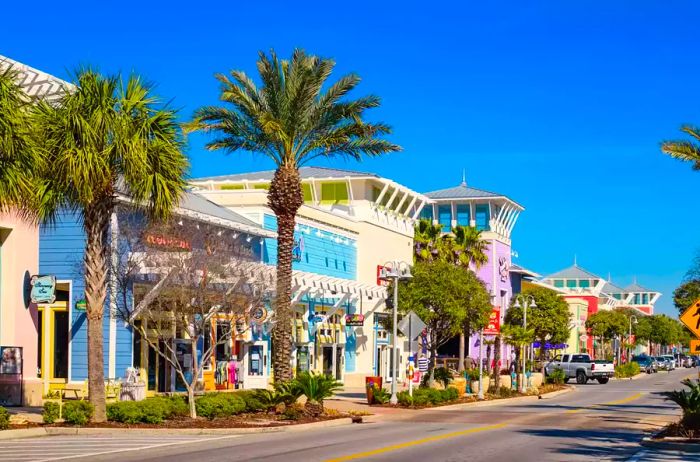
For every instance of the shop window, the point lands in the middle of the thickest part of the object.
(559, 283)
(426, 213)
(482, 217)
(231, 187)
(334, 193)
(463, 214)
(255, 360)
(223, 341)
(445, 217)
(306, 189)
(136, 343)
(571, 283)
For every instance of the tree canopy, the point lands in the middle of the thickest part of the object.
(549, 320)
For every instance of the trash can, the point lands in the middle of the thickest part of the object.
(370, 383)
(132, 392)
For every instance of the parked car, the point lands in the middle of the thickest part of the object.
(663, 363)
(582, 367)
(695, 360)
(646, 364)
(683, 360)
(671, 361)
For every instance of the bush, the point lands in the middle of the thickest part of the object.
(52, 412)
(151, 410)
(214, 405)
(316, 388)
(252, 403)
(689, 402)
(627, 370)
(380, 395)
(503, 392)
(287, 392)
(440, 374)
(78, 412)
(425, 396)
(557, 376)
(404, 399)
(292, 412)
(471, 374)
(4, 419)
(128, 412)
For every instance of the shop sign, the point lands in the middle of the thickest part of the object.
(298, 249)
(81, 305)
(494, 325)
(354, 320)
(503, 268)
(43, 289)
(163, 241)
(258, 315)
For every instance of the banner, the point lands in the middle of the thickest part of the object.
(494, 325)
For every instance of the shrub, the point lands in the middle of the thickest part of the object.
(689, 402)
(252, 403)
(52, 412)
(316, 388)
(471, 374)
(627, 370)
(151, 410)
(4, 419)
(404, 398)
(450, 394)
(503, 392)
(293, 412)
(287, 392)
(214, 405)
(380, 395)
(557, 376)
(128, 412)
(440, 374)
(78, 412)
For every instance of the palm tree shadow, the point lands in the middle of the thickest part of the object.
(608, 444)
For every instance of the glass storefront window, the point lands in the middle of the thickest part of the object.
(255, 360)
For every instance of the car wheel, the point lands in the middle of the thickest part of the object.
(603, 380)
(581, 378)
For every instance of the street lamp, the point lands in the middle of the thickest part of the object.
(528, 301)
(629, 339)
(396, 271)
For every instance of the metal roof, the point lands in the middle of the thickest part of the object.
(461, 192)
(35, 83)
(304, 172)
(515, 268)
(610, 288)
(196, 203)
(573, 272)
(637, 288)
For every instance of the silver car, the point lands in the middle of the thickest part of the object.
(670, 361)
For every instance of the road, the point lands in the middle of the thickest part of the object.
(595, 422)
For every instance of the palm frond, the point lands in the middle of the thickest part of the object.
(685, 150)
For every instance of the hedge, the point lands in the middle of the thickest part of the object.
(627, 370)
(213, 405)
(151, 410)
(78, 412)
(4, 419)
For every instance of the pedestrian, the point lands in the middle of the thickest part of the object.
(423, 364)
(468, 363)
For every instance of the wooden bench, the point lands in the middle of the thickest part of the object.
(78, 390)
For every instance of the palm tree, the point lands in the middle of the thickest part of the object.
(685, 150)
(469, 250)
(101, 138)
(429, 241)
(291, 120)
(17, 153)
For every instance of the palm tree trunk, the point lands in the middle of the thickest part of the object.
(496, 360)
(284, 198)
(460, 366)
(95, 223)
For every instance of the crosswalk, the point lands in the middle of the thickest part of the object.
(65, 447)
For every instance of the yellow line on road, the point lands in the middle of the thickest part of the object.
(408, 444)
(611, 403)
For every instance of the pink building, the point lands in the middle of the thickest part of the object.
(495, 216)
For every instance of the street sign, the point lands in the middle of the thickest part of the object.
(411, 326)
(691, 318)
(694, 347)
(494, 325)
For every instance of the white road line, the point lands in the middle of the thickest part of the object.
(131, 449)
(638, 456)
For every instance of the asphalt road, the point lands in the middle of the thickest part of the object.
(595, 422)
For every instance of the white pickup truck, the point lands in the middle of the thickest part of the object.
(582, 367)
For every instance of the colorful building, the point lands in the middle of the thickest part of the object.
(495, 216)
(350, 225)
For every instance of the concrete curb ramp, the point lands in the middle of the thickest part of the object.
(672, 444)
(53, 431)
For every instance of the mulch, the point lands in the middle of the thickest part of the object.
(680, 431)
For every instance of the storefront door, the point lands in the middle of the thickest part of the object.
(255, 361)
(328, 360)
(53, 341)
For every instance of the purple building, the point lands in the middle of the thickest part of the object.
(495, 216)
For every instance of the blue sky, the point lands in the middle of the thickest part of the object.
(560, 105)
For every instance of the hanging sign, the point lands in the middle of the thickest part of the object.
(81, 305)
(258, 315)
(494, 325)
(354, 320)
(43, 289)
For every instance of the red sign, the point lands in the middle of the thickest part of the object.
(494, 325)
(381, 282)
(167, 242)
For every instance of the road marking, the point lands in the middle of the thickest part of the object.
(77, 454)
(610, 403)
(408, 444)
(638, 456)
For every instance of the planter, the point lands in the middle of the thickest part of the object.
(460, 384)
(370, 383)
(474, 384)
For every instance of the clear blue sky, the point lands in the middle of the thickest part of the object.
(560, 105)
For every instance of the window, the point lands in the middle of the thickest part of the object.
(584, 283)
(426, 213)
(445, 217)
(559, 283)
(482, 217)
(463, 214)
(229, 187)
(565, 358)
(306, 188)
(137, 341)
(637, 299)
(262, 186)
(645, 299)
(375, 193)
(223, 341)
(334, 193)
(255, 360)
(571, 283)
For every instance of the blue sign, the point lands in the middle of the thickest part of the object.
(43, 289)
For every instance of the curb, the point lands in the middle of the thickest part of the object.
(500, 402)
(56, 431)
(672, 444)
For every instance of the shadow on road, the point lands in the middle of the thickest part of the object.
(594, 444)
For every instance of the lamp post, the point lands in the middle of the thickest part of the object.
(528, 301)
(480, 396)
(396, 271)
(629, 339)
